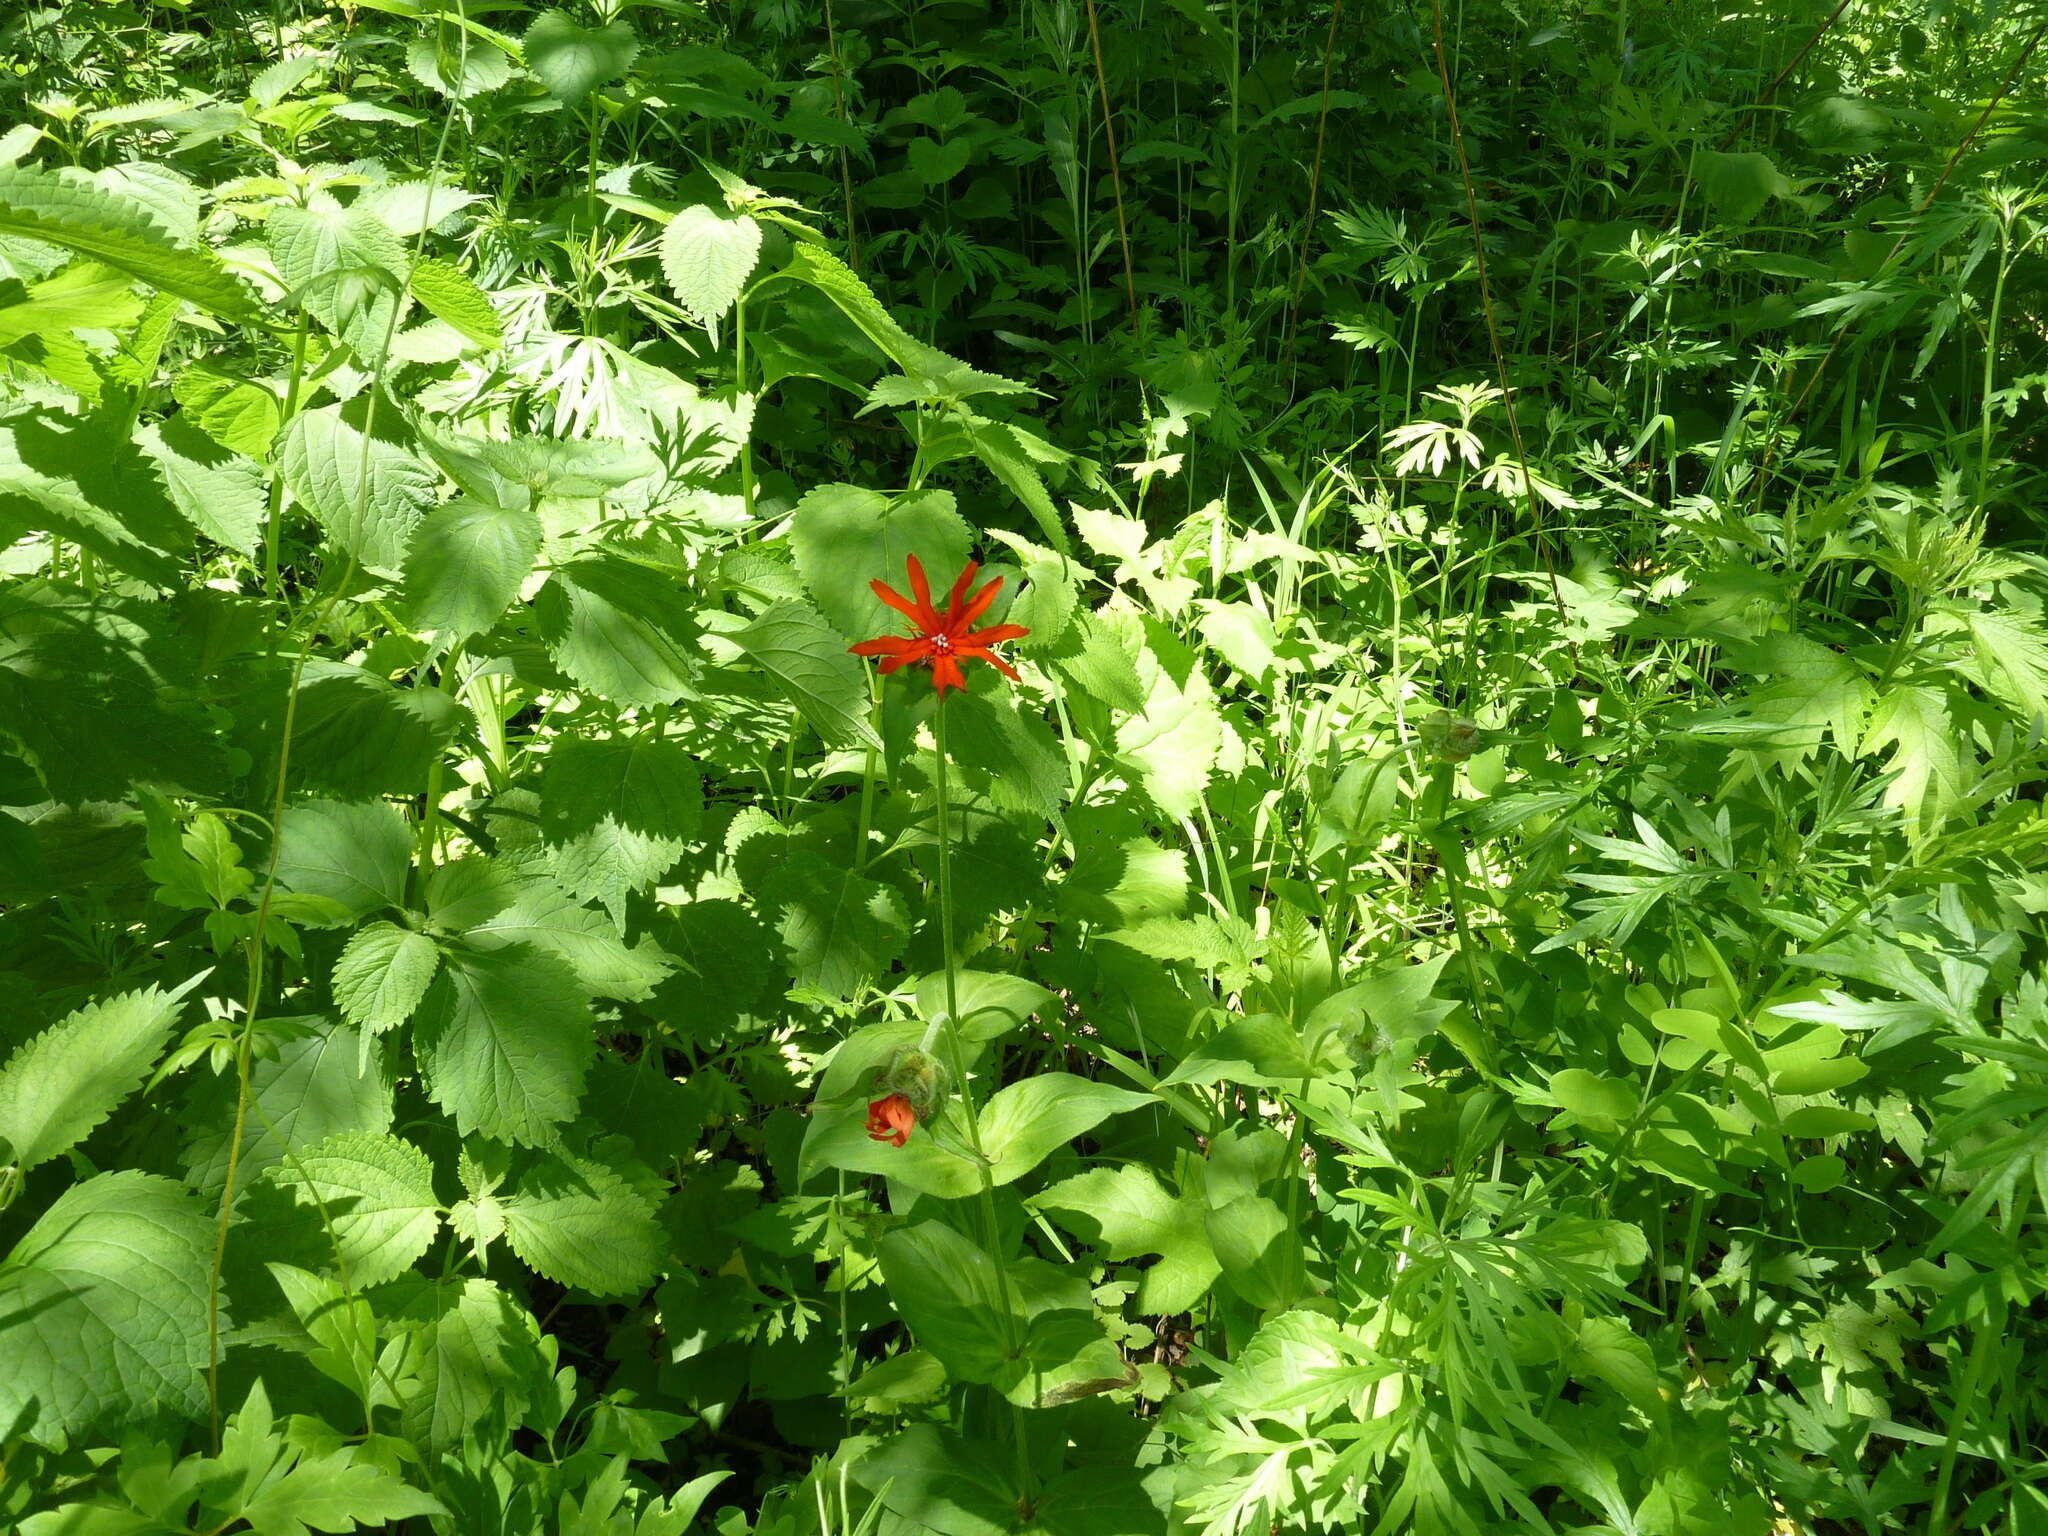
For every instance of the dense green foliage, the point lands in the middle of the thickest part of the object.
(1488, 974)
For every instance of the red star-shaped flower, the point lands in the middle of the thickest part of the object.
(891, 1119)
(943, 640)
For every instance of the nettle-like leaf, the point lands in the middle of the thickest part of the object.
(810, 663)
(448, 294)
(540, 913)
(846, 536)
(219, 492)
(583, 1222)
(382, 974)
(353, 467)
(617, 814)
(103, 1307)
(707, 255)
(347, 268)
(503, 1041)
(68, 210)
(469, 1353)
(356, 733)
(573, 60)
(839, 927)
(356, 856)
(69, 1078)
(374, 1192)
(318, 1085)
(75, 479)
(620, 630)
(466, 565)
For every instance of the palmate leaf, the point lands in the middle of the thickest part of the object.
(119, 232)
(103, 1307)
(503, 1041)
(65, 1081)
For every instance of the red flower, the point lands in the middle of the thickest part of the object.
(943, 640)
(891, 1119)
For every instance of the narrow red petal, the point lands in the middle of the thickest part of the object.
(884, 645)
(946, 674)
(900, 603)
(978, 605)
(920, 589)
(994, 636)
(960, 586)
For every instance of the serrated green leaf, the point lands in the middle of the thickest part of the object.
(355, 733)
(466, 565)
(455, 70)
(333, 1491)
(376, 1193)
(471, 1349)
(449, 295)
(1171, 745)
(838, 927)
(1126, 1213)
(617, 814)
(542, 914)
(240, 415)
(118, 232)
(317, 1085)
(707, 255)
(220, 493)
(582, 1223)
(103, 1307)
(503, 1041)
(347, 269)
(75, 479)
(354, 854)
(620, 630)
(353, 467)
(382, 974)
(1025, 765)
(572, 60)
(69, 1078)
(810, 663)
(846, 536)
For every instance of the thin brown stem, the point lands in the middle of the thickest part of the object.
(1315, 187)
(1123, 233)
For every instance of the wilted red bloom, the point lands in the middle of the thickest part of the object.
(943, 640)
(891, 1119)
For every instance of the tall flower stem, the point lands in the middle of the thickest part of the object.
(970, 1118)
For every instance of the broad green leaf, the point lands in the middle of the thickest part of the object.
(239, 414)
(347, 269)
(467, 562)
(846, 536)
(382, 974)
(74, 479)
(990, 1005)
(1259, 1250)
(813, 264)
(1126, 1213)
(1593, 1097)
(810, 663)
(582, 1223)
(317, 1085)
(542, 914)
(471, 1351)
(355, 733)
(617, 813)
(620, 630)
(707, 255)
(67, 210)
(341, 1324)
(1258, 1048)
(1002, 449)
(353, 467)
(103, 1307)
(375, 1192)
(503, 1041)
(69, 1078)
(1023, 1124)
(220, 493)
(84, 295)
(839, 928)
(1172, 745)
(935, 162)
(357, 855)
(449, 295)
(1014, 747)
(1738, 185)
(572, 60)
(456, 70)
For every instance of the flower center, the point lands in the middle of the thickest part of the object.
(942, 643)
